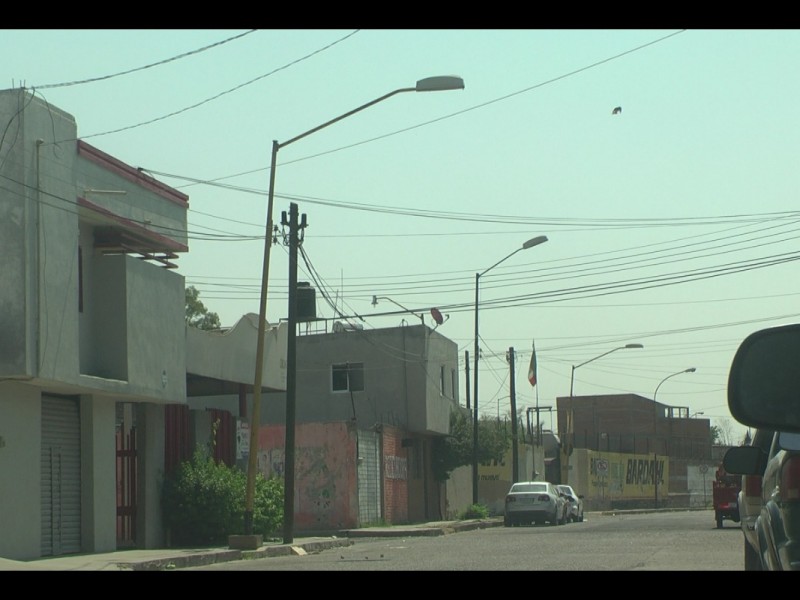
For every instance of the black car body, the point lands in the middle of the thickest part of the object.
(777, 526)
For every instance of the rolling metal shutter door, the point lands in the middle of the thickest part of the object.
(61, 476)
(369, 478)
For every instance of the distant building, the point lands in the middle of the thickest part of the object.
(625, 450)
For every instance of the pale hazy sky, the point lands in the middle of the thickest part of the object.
(670, 224)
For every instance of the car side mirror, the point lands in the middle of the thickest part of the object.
(764, 381)
(745, 460)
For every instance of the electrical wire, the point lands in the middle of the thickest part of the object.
(451, 115)
(149, 66)
(217, 96)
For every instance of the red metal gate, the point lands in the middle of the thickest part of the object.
(126, 488)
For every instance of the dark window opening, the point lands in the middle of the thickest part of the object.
(347, 377)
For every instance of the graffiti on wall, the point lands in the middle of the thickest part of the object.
(619, 475)
(318, 482)
(271, 463)
(495, 470)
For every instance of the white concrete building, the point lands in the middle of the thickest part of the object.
(89, 293)
(93, 341)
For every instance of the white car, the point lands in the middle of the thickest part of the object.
(535, 502)
(574, 501)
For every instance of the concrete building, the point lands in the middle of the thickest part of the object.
(370, 408)
(103, 387)
(87, 246)
(625, 450)
(94, 340)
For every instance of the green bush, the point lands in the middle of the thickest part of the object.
(204, 502)
(476, 511)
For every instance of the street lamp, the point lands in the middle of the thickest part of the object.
(655, 404)
(529, 244)
(695, 414)
(655, 427)
(572, 377)
(689, 370)
(429, 84)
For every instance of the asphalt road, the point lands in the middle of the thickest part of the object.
(672, 541)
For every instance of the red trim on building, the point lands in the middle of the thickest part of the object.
(150, 239)
(136, 176)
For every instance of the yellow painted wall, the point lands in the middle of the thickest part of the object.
(605, 476)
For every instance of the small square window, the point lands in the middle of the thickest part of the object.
(347, 377)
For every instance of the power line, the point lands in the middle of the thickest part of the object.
(451, 115)
(212, 98)
(150, 66)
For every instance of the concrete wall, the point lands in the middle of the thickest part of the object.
(36, 225)
(440, 382)
(20, 467)
(401, 379)
(156, 332)
(326, 492)
(98, 475)
(458, 492)
(494, 479)
(230, 355)
(150, 444)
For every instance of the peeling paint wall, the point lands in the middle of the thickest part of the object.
(326, 494)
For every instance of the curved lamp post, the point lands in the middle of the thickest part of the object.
(572, 377)
(655, 404)
(689, 370)
(529, 244)
(655, 423)
(430, 84)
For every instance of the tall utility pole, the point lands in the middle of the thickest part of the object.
(466, 362)
(514, 446)
(291, 374)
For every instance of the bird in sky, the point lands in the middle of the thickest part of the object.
(617, 110)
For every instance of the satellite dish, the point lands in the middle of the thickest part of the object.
(437, 316)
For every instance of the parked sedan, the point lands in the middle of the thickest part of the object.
(534, 502)
(574, 502)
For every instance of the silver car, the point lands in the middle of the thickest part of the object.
(574, 502)
(750, 504)
(535, 502)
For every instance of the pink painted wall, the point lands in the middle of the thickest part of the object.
(326, 494)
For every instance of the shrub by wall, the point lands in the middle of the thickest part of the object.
(204, 502)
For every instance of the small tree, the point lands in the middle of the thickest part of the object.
(197, 315)
(457, 449)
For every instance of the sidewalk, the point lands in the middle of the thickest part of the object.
(171, 559)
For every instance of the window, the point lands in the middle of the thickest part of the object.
(347, 377)
(441, 380)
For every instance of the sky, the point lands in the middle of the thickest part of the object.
(670, 223)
